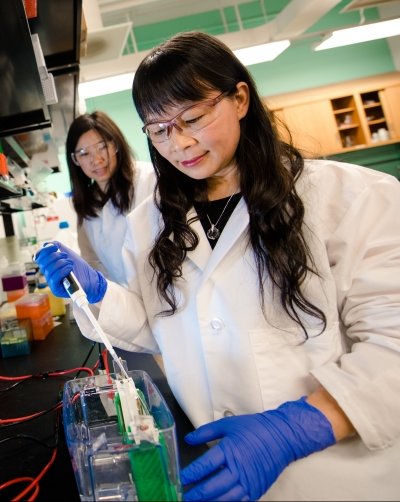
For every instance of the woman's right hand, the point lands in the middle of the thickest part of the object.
(56, 261)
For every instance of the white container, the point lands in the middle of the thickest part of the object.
(383, 134)
(67, 237)
(3, 268)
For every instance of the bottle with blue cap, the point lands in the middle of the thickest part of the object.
(66, 236)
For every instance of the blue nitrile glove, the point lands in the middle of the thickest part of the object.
(56, 265)
(253, 451)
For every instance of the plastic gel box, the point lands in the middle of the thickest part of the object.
(15, 337)
(110, 463)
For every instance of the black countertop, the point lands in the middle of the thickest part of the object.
(64, 348)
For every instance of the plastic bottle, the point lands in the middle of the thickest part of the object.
(66, 236)
(57, 305)
(3, 268)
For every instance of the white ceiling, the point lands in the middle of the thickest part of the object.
(110, 21)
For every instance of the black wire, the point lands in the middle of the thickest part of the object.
(101, 358)
(86, 359)
(45, 374)
(11, 387)
(30, 438)
(37, 415)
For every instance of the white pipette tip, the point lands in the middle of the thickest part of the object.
(78, 296)
(104, 339)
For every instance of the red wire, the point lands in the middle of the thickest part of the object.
(104, 355)
(36, 480)
(4, 421)
(16, 378)
(105, 359)
(21, 480)
(51, 373)
(66, 372)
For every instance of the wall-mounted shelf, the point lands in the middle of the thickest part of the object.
(31, 132)
(348, 121)
(22, 105)
(8, 189)
(342, 117)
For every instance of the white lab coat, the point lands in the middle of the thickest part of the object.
(101, 239)
(222, 356)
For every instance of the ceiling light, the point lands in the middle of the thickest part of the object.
(106, 85)
(261, 53)
(362, 33)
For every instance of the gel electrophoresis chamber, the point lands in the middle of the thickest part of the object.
(121, 454)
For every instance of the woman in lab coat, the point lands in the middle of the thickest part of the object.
(107, 183)
(269, 283)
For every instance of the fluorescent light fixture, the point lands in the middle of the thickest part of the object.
(362, 33)
(261, 53)
(106, 85)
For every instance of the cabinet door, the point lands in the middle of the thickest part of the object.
(313, 128)
(390, 98)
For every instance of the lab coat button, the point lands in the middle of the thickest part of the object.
(217, 324)
(228, 413)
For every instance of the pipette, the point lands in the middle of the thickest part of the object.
(78, 296)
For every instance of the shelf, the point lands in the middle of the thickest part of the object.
(372, 105)
(343, 110)
(376, 121)
(58, 25)
(13, 150)
(27, 124)
(345, 117)
(356, 148)
(23, 104)
(8, 189)
(348, 126)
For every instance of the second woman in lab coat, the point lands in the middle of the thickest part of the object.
(107, 183)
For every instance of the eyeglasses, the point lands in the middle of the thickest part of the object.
(85, 156)
(191, 119)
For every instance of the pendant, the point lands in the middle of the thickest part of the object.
(213, 233)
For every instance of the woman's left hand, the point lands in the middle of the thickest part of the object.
(253, 450)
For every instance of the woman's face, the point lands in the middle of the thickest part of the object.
(207, 153)
(96, 158)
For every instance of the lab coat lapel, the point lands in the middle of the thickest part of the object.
(202, 253)
(234, 230)
(206, 258)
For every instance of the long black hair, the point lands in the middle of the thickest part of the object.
(87, 197)
(186, 68)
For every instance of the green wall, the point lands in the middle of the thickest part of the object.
(298, 68)
(119, 106)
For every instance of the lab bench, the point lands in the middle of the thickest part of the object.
(64, 349)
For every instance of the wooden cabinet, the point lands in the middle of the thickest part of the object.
(390, 99)
(349, 121)
(342, 117)
(312, 127)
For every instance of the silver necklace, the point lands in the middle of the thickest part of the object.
(213, 232)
